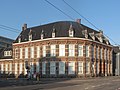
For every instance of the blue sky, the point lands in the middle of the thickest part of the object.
(104, 14)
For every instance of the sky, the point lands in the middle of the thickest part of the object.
(104, 14)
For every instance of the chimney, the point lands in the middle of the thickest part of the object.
(78, 20)
(24, 27)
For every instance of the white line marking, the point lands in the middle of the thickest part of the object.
(86, 88)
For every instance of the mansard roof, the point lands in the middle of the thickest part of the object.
(61, 30)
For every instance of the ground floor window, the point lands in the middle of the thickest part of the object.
(43, 67)
(20, 68)
(61, 67)
(32, 68)
(80, 67)
(37, 67)
(6, 68)
(71, 68)
(87, 67)
(52, 67)
(2, 68)
(16, 68)
(97, 67)
(10, 68)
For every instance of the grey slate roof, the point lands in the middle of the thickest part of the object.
(61, 30)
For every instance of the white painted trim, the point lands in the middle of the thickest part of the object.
(61, 38)
(5, 59)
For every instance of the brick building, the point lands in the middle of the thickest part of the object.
(62, 49)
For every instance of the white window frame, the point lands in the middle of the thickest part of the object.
(10, 67)
(100, 53)
(105, 54)
(26, 52)
(52, 67)
(92, 51)
(61, 67)
(71, 67)
(53, 50)
(62, 50)
(20, 68)
(38, 51)
(2, 68)
(80, 50)
(6, 68)
(30, 37)
(16, 53)
(87, 66)
(21, 52)
(44, 50)
(37, 67)
(16, 68)
(53, 34)
(97, 67)
(87, 50)
(80, 67)
(43, 67)
(70, 33)
(32, 52)
(71, 50)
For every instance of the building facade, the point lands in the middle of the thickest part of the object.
(62, 49)
(6, 62)
(116, 59)
(5, 42)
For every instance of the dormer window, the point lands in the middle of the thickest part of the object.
(71, 31)
(30, 35)
(42, 34)
(7, 53)
(101, 36)
(85, 33)
(101, 40)
(53, 33)
(19, 39)
(92, 35)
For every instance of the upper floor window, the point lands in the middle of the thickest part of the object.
(53, 50)
(101, 53)
(71, 50)
(38, 51)
(80, 50)
(92, 51)
(32, 52)
(26, 52)
(21, 53)
(44, 51)
(97, 52)
(87, 50)
(16, 53)
(61, 50)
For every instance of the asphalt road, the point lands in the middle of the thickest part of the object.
(100, 83)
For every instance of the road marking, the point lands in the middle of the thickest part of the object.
(93, 86)
(86, 88)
